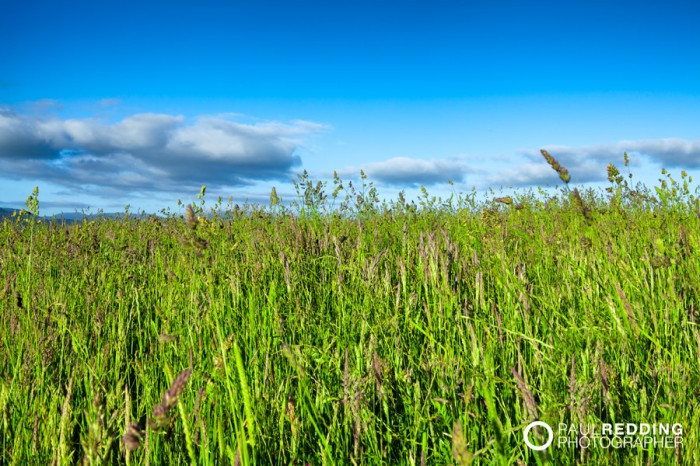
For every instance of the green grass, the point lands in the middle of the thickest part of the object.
(362, 334)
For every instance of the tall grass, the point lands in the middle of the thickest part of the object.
(352, 332)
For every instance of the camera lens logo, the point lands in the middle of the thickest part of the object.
(526, 435)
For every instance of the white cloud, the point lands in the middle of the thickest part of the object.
(138, 132)
(404, 171)
(523, 175)
(148, 152)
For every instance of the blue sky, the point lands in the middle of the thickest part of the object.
(104, 104)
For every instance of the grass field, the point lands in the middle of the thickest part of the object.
(355, 332)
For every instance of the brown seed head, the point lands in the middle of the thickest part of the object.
(563, 172)
(189, 216)
(504, 200)
(528, 398)
(132, 437)
(171, 396)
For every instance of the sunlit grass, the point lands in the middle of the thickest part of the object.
(365, 333)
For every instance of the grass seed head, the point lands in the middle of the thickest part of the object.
(346, 379)
(628, 308)
(528, 398)
(166, 338)
(604, 377)
(133, 436)
(190, 217)
(572, 383)
(460, 449)
(556, 166)
(171, 396)
(585, 210)
(507, 200)
(160, 418)
(613, 173)
(274, 198)
(377, 372)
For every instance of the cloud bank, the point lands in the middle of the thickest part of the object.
(148, 152)
(670, 152)
(588, 163)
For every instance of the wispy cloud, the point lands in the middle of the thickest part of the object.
(148, 152)
(109, 102)
(404, 171)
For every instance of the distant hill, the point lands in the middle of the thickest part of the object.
(71, 217)
(6, 212)
(68, 217)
